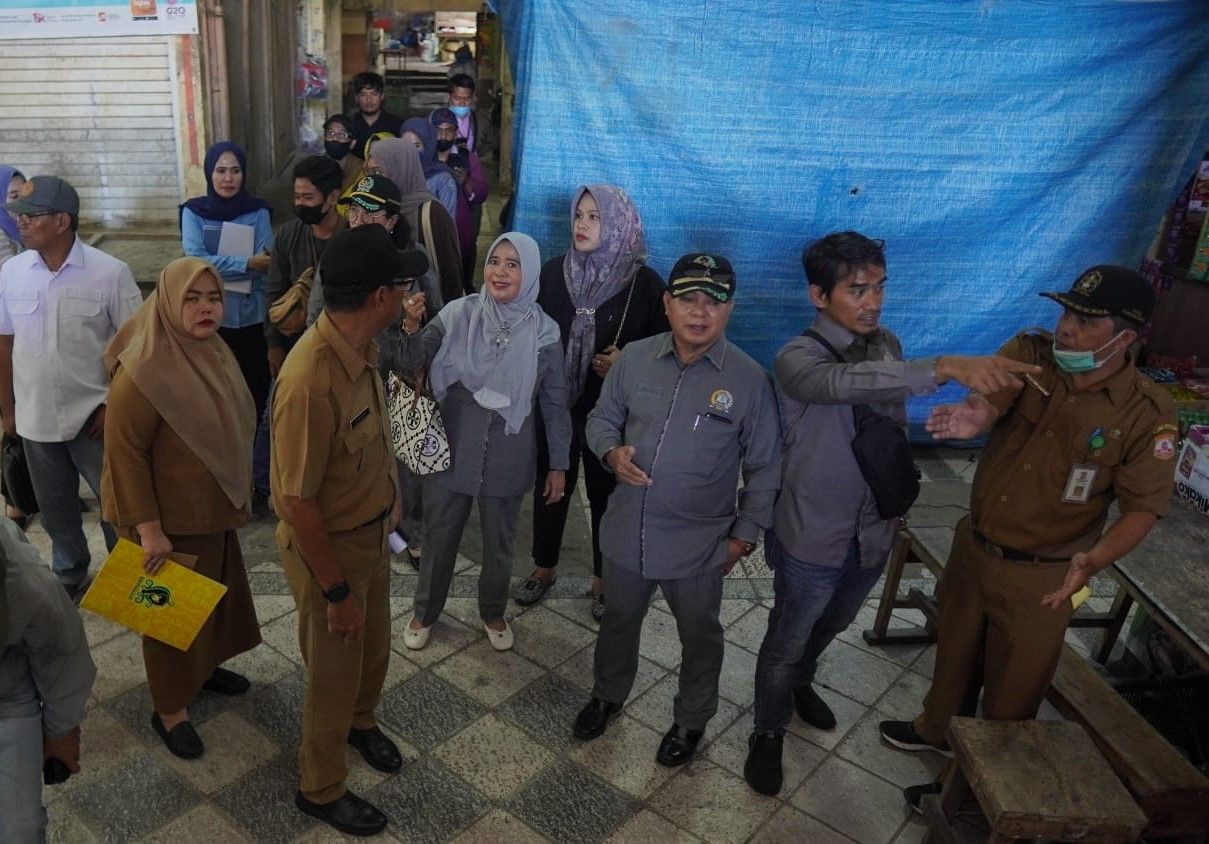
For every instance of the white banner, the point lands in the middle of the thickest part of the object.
(75, 19)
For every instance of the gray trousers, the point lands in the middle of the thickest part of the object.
(22, 818)
(411, 486)
(445, 515)
(696, 603)
(55, 469)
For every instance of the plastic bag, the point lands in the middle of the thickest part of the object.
(311, 80)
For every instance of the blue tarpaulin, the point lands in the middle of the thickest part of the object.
(997, 147)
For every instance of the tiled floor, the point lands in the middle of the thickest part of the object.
(486, 736)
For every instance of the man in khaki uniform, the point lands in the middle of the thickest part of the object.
(334, 484)
(1088, 430)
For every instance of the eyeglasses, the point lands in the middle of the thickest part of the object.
(408, 284)
(339, 137)
(28, 219)
(362, 213)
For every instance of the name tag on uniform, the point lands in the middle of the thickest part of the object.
(359, 418)
(1078, 485)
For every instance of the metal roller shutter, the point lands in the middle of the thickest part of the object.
(100, 113)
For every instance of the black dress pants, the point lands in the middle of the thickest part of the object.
(549, 520)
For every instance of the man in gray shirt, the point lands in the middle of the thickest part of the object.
(679, 416)
(828, 544)
(46, 675)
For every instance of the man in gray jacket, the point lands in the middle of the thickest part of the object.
(679, 415)
(46, 675)
(828, 544)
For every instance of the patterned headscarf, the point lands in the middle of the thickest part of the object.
(594, 278)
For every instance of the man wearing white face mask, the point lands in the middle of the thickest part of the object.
(1087, 431)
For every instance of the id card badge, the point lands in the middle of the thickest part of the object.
(1078, 485)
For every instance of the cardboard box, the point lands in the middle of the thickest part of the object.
(1192, 469)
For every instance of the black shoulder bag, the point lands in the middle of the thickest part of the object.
(883, 453)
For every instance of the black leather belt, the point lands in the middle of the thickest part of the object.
(1015, 553)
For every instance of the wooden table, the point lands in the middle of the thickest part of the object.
(1168, 576)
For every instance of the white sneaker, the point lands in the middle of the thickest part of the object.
(501, 640)
(415, 639)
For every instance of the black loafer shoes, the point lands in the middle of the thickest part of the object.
(594, 717)
(678, 746)
(182, 740)
(348, 814)
(377, 750)
(226, 682)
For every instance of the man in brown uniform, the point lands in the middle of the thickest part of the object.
(334, 484)
(1088, 430)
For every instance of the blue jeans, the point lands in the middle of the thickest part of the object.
(55, 469)
(22, 818)
(813, 604)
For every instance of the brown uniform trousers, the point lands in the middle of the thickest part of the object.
(993, 633)
(345, 678)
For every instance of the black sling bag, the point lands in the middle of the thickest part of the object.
(883, 453)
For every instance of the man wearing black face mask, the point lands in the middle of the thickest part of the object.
(338, 140)
(299, 243)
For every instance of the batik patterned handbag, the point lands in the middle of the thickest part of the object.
(417, 431)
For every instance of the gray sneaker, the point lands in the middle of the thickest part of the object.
(533, 590)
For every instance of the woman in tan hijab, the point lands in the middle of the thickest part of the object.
(177, 477)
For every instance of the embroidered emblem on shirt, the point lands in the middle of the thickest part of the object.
(721, 400)
(1088, 282)
(1164, 445)
(1096, 440)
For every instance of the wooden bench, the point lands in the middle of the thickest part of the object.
(1033, 779)
(1170, 791)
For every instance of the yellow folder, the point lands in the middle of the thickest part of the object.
(171, 605)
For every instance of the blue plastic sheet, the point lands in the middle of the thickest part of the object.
(997, 147)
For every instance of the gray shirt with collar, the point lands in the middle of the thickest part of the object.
(824, 501)
(694, 429)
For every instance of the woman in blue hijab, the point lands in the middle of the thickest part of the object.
(202, 220)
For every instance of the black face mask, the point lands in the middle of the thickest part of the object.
(312, 215)
(337, 150)
(443, 145)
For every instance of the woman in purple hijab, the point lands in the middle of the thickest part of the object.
(437, 176)
(602, 295)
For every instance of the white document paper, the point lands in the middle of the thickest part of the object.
(237, 241)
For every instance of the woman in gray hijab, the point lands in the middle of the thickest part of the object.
(430, 224)
(492, 358)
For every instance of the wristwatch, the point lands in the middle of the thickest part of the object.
(337, 593)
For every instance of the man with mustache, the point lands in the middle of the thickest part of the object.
(829, 543)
